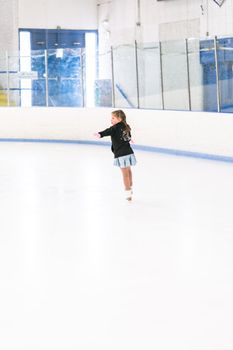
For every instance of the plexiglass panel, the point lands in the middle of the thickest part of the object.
(37, 83)
(174, 72)
(14, 78)
(3, 80)
(225, 68)
(103, 84)
(149, 82)
(125, 77)
(207, 60)
(195, 75)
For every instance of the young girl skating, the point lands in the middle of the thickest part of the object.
(124, 158)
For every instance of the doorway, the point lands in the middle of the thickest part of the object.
(63, 67)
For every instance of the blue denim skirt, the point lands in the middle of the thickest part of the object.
(125, 161)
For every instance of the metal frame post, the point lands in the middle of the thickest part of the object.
(137, 76)
(217, 74)
(188, 74)
(46, 78)
(8, 79)
(161, 74)
(113, 79)
(82, 78)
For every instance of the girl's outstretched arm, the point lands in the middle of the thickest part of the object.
(107, 132)
(96, 134)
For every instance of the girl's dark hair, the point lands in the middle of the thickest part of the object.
(121, 115)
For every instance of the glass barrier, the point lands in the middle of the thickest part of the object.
(149, 76)
(209, 78)
(104, 94)
(174, 73)
(225, 73)
(125, 76)
(192, 74)
(35, 86)
(13, 83)
(4, 93)
(195, 70)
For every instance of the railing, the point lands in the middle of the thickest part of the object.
(191, 74)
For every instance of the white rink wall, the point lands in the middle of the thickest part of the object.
(199, 132)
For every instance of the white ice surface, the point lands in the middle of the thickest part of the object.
(83, 269)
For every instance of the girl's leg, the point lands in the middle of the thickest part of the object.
(127, 178)
(131, 178)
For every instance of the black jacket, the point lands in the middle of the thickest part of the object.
(120, 139)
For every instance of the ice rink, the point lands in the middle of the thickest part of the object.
(83, 269)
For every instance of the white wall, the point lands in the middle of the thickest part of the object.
(215, 20)
(167, 20)
(8, 27)
(159, 20)
(68, 14)
(185, 131)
